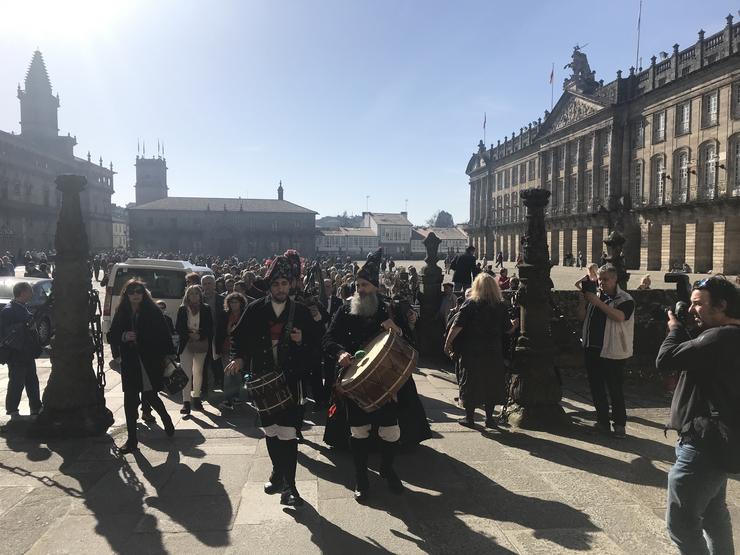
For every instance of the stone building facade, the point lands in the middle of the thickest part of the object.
(29, 164)
(654, 154)
(119, 217)
(214, 226)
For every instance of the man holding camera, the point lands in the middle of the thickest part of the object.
(707, 397)
(608, 332)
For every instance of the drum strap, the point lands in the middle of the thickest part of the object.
(284, 343)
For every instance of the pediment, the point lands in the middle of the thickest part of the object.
(476, 162)
(570, 109)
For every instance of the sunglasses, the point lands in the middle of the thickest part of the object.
(137, 291)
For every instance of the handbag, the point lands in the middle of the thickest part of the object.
(174, 377)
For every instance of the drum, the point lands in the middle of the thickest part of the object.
(373, 380)
(270, 393)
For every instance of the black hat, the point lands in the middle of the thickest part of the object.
(279, 268)
(371, 269)
(295, 262)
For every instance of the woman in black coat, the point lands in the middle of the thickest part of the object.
(139, 332)
(194, 326)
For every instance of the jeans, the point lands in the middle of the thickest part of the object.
(606, 374)
(192, 364)
(697, 517)
(22, 375)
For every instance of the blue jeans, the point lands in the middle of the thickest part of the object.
(697, 517)
(22, 375)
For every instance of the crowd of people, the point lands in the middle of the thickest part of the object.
(288, 329)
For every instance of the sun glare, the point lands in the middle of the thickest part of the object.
(69, 18)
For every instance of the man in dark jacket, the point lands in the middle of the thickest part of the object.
(14, 321)
(464, 266)
(708, 390)
(274, 336)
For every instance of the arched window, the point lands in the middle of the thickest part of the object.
(638, 185)
(681, 176)
(734, 184)
(657, 185)
(708, 170)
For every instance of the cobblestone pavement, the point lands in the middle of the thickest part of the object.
(470, 491)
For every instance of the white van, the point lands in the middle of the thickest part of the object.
(165, 280)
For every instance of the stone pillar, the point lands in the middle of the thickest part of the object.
(732, 252)
(678, 243)
(506, 247)
(535, 390)
(556, 254)
(690, 245)
(74, 401)
(718, 250)
(665, 248)
(430, 328)
(644, 242)
(574, 244)
(549, 245)
(596, 244)
(567, 243)
(654, 246)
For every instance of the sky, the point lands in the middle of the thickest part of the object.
(351, 103)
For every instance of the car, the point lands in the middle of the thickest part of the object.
(38, 305)
(165, 279)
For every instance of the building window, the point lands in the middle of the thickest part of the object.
(573, 191)
(638, 133)
(707, 170)
(560, 194)
(561, 158)
(573, 153)
(736, 100)
(683, 118)
(681, 176)
(657, 190)
(735, 166)
(606, 140)
(530, 170)
(588, 144)
(589, 177)
(514, 175)
(637, 183)
(710, 109)
(659, 127)
(605, 182)
(548, 164)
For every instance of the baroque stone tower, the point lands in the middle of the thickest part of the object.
(151, 179)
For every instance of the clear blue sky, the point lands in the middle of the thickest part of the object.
(338, 98)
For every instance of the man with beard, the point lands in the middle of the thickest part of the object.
(274, 334)
(352, 327)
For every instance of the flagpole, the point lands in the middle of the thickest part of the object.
(637, 55)
(552, 86)
(484, 128)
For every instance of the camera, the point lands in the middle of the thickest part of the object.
(680, 311)
(588, 286)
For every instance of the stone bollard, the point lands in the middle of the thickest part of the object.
(430, 329)
(74, 401)
(535, 390)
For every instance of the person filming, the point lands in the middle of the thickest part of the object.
(707, 397)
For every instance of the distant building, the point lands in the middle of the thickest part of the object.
(654, 154)
(29, 164)
(393, 231)
(453, 240)
(119, 218)
(211, 225)
(346, 241)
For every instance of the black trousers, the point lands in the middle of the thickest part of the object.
(131, 400)
(606, 375)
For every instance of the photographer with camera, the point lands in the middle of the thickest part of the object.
(705, 412)
(608, 332)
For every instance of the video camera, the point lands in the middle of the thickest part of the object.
(683, 293)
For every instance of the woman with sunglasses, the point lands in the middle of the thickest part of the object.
(194, 325)
(139, 332)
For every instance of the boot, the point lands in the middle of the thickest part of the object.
(387, 454)
(185, 408)
(197, 404)
(360, 449)
(275, 484)
(290, 495)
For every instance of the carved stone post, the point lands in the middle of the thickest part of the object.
(535, 390)
(614, 244)
(74, 404)
(430, 328)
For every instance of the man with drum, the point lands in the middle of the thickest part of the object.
(271, 341)
(354, 326)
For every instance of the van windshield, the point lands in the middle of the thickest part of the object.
(163, 284)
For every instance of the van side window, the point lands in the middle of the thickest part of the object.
(163, 284)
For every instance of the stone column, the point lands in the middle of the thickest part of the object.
(690, 246)
(555, 255)
(561, 246)
(567, 243)
(718, 250)
(644, 242)
(574, 244)
(535, 391)
(74, 401)
(517, 246)
(665, 248)
(704, 246)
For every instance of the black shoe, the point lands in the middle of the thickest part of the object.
(185, 408)
(197, 405)
(468, 423)
(394, 482)
(275, 484)
(361, 494)
(291, 497)
(299, 436)
(148, 417)
(491, 423)
(128, 448)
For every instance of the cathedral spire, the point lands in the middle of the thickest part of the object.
(38, 104)
(37, 78)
